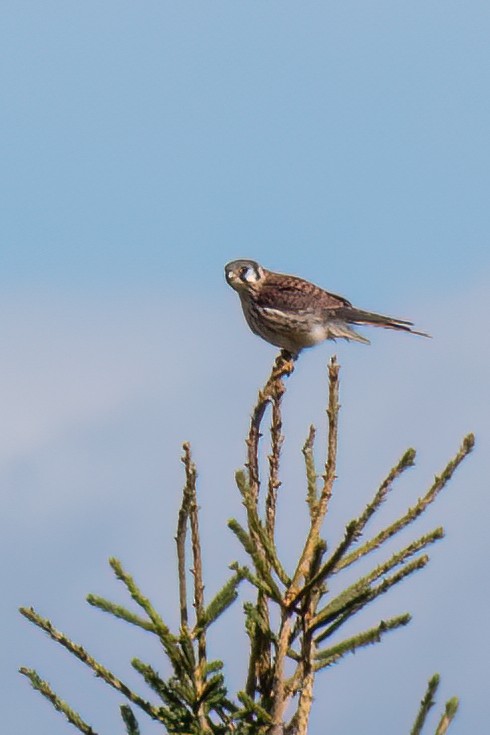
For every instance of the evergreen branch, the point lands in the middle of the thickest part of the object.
(261, 546)
(244, 487)
(271, 555)
(399, 557)
(132, 727)
(44, 688)
(253, 540)
(440, 481)
(299, 722)
(355, 527)
(358, 596)
(331, 655)
(243, 537)
(168, 640)
(213, 696)
(181, 564)
(261, 584)
(414, 566)
(309, 603)
(260, 656)
(311, 475)
(85, 658)
(151, 677)
(333, 416)
(342, 607)
(425, 705)
(185, 701)
(315, 589)
(213, 666)
(257, 625)
(256, 621)
(277, 391)
(182, 712)
(406, 461)
(193, 699)
(119, 612)
(378, 571)
(395, 560)
(221, 601)
(294, 655)
(252, 707)
(179, 693)
(212, 690)
(187, 649)
(307, 565)
(226, 709)
(448, 716)
(321, 506)
(257, 556)
(260, 543)
(330, 564)
(191, 493)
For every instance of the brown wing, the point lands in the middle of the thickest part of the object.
(288, 293)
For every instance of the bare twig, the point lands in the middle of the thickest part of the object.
(180, 540)
(283, 367)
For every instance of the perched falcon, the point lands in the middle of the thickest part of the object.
(292, 313)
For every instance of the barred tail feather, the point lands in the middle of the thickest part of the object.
(341, 330)
(357, 316)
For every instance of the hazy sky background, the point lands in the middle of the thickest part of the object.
(143, 146)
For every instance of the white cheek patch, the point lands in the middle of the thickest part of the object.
(250, 276)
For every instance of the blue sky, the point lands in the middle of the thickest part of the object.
(145, 145)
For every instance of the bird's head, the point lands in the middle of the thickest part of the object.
(244, 275)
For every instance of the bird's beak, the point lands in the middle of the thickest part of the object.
(231, 278)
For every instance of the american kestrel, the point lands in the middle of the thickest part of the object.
(292, 313)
